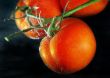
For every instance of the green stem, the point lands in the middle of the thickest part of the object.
(66, 14)
(23, 8)
(51, 27)
(9, 37)
(79, 8)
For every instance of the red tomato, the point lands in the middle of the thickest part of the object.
(93, 9)
(71, 49)
(48, 8)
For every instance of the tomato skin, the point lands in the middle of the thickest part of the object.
(48, 8)
(46, 55)
(71, 49)
(93, 9)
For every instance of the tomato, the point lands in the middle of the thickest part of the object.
(71, 49)
(93, 9)
(48, 9)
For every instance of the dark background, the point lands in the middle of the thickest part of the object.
(20, 57)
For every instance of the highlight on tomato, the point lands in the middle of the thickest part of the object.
(90, 10)
(69, 50)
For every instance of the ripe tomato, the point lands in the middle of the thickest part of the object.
(71, 49)
(48, 9)
(93, 9)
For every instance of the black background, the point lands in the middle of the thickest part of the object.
(20, 57)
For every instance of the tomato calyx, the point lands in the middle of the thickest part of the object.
(23, 8)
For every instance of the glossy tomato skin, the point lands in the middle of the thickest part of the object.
(46, 55)
(93, 9)
(71, 49)
(22, 23)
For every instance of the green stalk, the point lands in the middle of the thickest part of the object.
(49, 30)
(66, 14)
(9, 37)
(51, 27)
